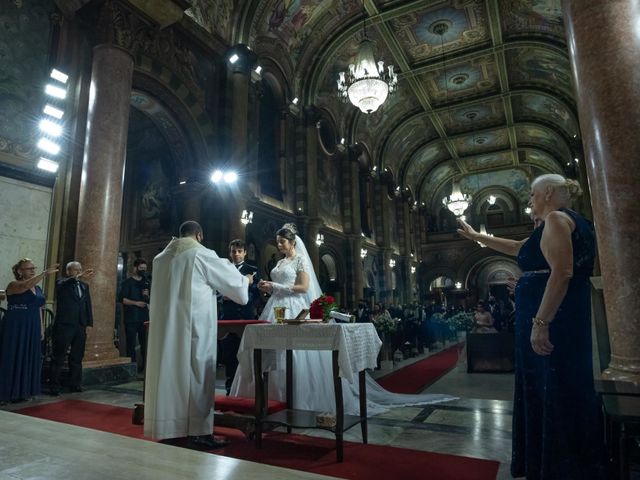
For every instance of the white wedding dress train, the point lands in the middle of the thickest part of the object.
(312, 369)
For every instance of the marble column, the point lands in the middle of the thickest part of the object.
(100, 202)
(604, 44)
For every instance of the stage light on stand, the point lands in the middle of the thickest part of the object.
(53, 111)
(48, 146)
(230, 177)
(55, 92)
(48, 165)
(59, 76)
(50, 128)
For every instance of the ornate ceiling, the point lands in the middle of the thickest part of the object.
(490, 100)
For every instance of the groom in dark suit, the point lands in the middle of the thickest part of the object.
(73, 316)
(233, 311)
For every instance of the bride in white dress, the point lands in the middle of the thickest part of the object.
(294, 285)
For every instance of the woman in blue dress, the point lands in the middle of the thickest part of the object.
(20, 348)
(557, 424)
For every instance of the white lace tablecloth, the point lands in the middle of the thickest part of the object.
(357, 344)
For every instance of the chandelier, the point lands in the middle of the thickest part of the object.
(457, 202)
(367, 84)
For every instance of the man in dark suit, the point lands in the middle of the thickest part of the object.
(73, 315)
(232, 311)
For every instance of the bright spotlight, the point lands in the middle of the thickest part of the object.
(216, 176)
(48, 165)
(258, 69)
(53, 112)
(48, 146)
(234, 58)
(56, 92)
(59, 76)
(230, 177)
(51, 128)
(295, 101)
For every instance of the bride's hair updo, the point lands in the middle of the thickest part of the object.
(288, 231)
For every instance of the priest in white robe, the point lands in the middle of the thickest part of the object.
(181, 355)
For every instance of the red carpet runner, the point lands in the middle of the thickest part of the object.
(418, 376)
(300, 452)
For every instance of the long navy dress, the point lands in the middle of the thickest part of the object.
(557, 425)
(20, 347)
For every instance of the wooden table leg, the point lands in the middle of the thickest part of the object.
(363, 404)
(337, 385)
(259, 393)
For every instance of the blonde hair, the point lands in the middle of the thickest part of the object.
(566, 188)
(18, 266)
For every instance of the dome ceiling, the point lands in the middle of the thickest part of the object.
(492, 97)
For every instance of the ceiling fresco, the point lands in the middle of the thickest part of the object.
(470, 79)
(486, 162)
(543, 137)
(479, 79)
(483, 141)
(532, 17)
(473, 117)
(547, 110)
(465, 27)
(422, 161)
(543, 161)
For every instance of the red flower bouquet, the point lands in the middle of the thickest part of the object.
(322, 307)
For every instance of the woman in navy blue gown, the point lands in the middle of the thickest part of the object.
(20, 348)
(557, 424)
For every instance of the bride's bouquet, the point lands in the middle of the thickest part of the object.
(322, 307)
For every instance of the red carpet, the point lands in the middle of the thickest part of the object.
(418, 376)
(298, 452)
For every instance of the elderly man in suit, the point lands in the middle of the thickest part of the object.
(73, 316)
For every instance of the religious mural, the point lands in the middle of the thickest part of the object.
(545, 109)
(544, 160)
(422, 161)
(544, 137)
(434, 180)
(286, 18)
(540, 17)
(150, 170)
(329, 197)
(215, 17)
(537, 65)
(24, 34)
(415, 131)
(512, 179)
(484, 162)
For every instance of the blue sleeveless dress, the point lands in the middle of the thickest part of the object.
(557, 424)
(20, 347)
